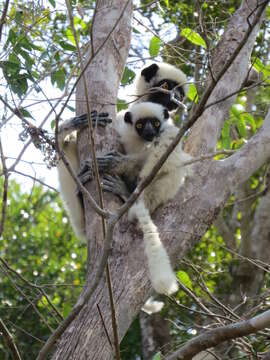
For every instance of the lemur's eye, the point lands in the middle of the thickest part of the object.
(157, 124)
(139, 126)
(165, 86)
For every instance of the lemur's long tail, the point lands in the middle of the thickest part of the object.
(161, 274)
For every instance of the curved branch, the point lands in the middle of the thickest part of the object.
(217, 336)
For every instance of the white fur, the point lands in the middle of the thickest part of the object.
(152, 306)
(161, 273)
(165, 71)
(68, 187)
(163, 188)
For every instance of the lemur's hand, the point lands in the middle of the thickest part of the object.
(86, 172)
(79, 122)
(116, 186)
(109, 162)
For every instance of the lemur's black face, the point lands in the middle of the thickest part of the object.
(165, 99)
(148, 128)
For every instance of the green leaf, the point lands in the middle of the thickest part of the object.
(59, 78)
(128, 76)
(225, 135)
(13, 64)
(53, 124)
(70, 36)
(29, 62)
(136, 31)
(250, 119)
(121, 105)
(66, 46)
(52, 2)
(19, 84)
(154, 46)
(193, 37)
(12, 36)
(184, 278)
(157, 356)
(66, 309)
(192, 93)
(241, 126)
(265, 70)
(25, 113)
(71, 108)
(167, 3)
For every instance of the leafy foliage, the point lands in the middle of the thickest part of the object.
(39, 245)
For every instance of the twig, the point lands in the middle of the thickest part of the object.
(30, 284)
(104, 326)
(35, 179)
(27, 298)
(5, 189)
(3, 18)
(216, 336)
(9, 341)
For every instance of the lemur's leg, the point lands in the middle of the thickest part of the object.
(68, 187)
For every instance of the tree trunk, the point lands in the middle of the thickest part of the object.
(85, 338)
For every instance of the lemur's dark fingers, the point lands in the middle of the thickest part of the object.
(101, 119)
(79, 122)
(86, 176)
(86, 165)
(115, 185)
(114, 153)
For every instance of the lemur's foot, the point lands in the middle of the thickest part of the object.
(116, 186)
(109, 161)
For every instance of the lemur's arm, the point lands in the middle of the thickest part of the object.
(119, 172)
(79, 122)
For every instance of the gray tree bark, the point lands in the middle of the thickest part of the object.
(182, 222)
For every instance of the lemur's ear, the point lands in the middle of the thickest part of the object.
(166, 114)
(149, 72)
(128, 117)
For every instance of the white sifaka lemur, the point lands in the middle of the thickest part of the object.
(146, 130)
(154, 75)
(162, 75)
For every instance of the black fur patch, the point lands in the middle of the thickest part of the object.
(128, 117)
(165, 99)
(149, 72)
(166, 113)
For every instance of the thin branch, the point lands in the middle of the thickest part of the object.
(104, 326)
(217, 336)
(5, 189)
(9, 341)
(16, 287)
(3, 18)
(30, 284)
(35, 179)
